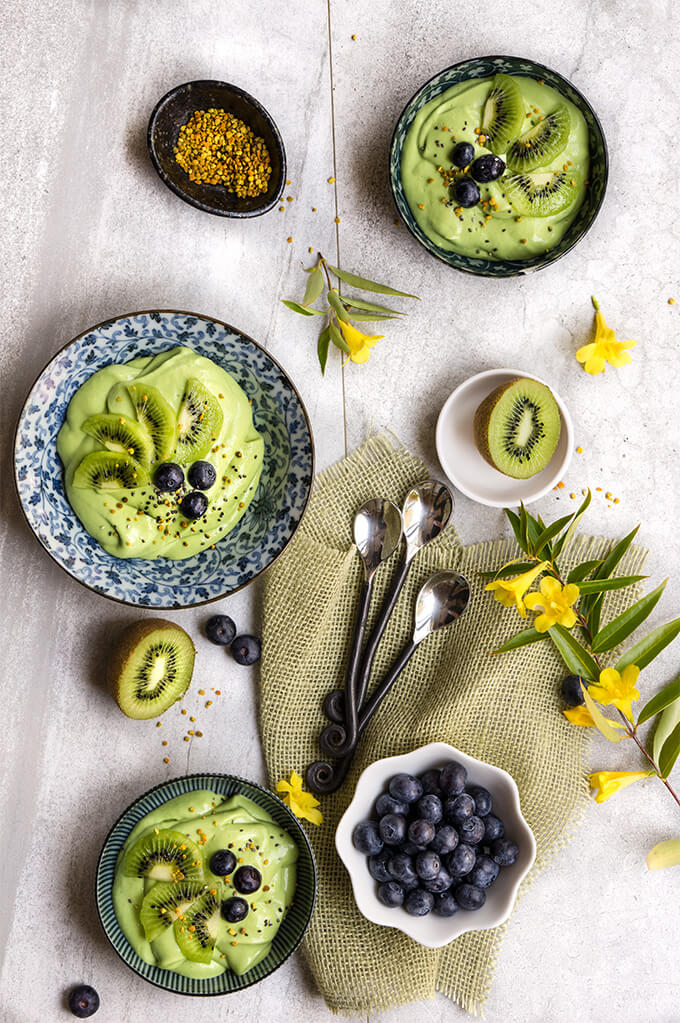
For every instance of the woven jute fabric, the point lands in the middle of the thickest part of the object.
(503, 709)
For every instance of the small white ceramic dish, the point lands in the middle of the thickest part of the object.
(468, 470)
(436, 931)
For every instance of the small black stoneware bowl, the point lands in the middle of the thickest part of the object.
(175, 109)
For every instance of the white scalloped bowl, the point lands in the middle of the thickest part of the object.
(435, 931)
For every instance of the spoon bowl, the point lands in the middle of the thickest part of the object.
(426, 512)
(377, 533)
(440, 602)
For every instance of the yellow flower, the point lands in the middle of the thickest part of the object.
(301, 803)
(579, 716)
(555, 602)
(609, 782)
(511, 591)
(359, 344)
(617, 689)
(605, 348)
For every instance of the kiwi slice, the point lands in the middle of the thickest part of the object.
(166, 902)
(164, 856)
(503, 115)
(541, 195)
(155, 414)
(197, 932)
(107, 470)
(517, 427)
(150, 667)
(199, 422)
(541, 143)
(122, 434)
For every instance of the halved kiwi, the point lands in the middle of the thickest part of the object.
(542, 195)
(517, 427)
(122, 434)
(154, 412)
(197, 932)
(107, 470)
(503, 114)
(150, 667)
(166, 902)
(541, 143)
(164, 855)
(198, 423)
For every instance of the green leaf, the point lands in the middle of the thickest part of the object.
(603, 572)
(339, 308)
(315, 285)
(664, 854)
(668, 695)
(363, 283)
(550, 531)
(624, 624)
(650, 646)
(524, 529)
(521, 639)
(337, 339)
(533, 532)
(297, 308)
(370, 317)
(667, 721)
(322, 348)
(371, 307)
(515, 523)
(603, 585)
(576, 657)
(579, 573)
(602, 723)
(510, 570)
(578, 515)
(670, 751)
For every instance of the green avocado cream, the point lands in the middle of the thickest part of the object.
(142, 522)
(214, 823)
(490, 230)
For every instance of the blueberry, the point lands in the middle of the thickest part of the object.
(366, 838)
(429, 807)
(482, 798)
(168, 476)
(571, 690)
(461, 860)
(201, 475)
(220, 629)
(471, 830)
(504, 851)
(487, 168)
(392, 828)
(445, 904)
(421, 832)
(234, 910)
(463, 154)
(246, 650)
(493, 828)
(445, 839)
(484, 872)
(452, 778)
(377, 866)
(405, 788)
(194, 505)
(419, 902)
(428, 865)
(440, 883)
(466, 192)
(391, 894)
(83, 1001)
(469, 897)
(222, 862)
(430, 782)
(400, 866)
(247, 880)
(388, 804)
(459, 808)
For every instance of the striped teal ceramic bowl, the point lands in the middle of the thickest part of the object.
(295, 923)
(487, 67)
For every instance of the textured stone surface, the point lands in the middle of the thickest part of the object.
(89, 231)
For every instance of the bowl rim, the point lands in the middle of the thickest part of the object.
(567, 423)
(437, 749)
(177, 189)
(519, 271)
(187, 778)
(172, 312)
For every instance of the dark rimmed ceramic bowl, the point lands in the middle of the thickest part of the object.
(175, 109)
(487, 67)
(293, 927)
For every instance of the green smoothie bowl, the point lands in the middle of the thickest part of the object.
(206, 884)
(498, 166)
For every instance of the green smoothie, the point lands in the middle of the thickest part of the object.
(141, 521)
(214, 824)
(492, 229)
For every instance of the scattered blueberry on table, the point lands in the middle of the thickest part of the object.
(246, 650)
(220, 629)
(83, 1001)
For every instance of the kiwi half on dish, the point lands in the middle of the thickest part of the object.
(541, 143)
(121, 434)
(503, 114)
(517, 427)
(150, 667)
(198, 423)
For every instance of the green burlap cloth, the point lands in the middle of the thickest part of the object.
(504, 710)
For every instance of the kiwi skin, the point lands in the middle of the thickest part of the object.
(124, 649)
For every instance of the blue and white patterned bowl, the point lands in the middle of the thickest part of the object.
(293, 927)
(274, 513)
(487, 67)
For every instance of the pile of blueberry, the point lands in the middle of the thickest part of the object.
(436, 846)
(484, 169)
(221, 630)
(169, 477)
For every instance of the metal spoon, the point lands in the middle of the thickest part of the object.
(441, 601)
(427, 510)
